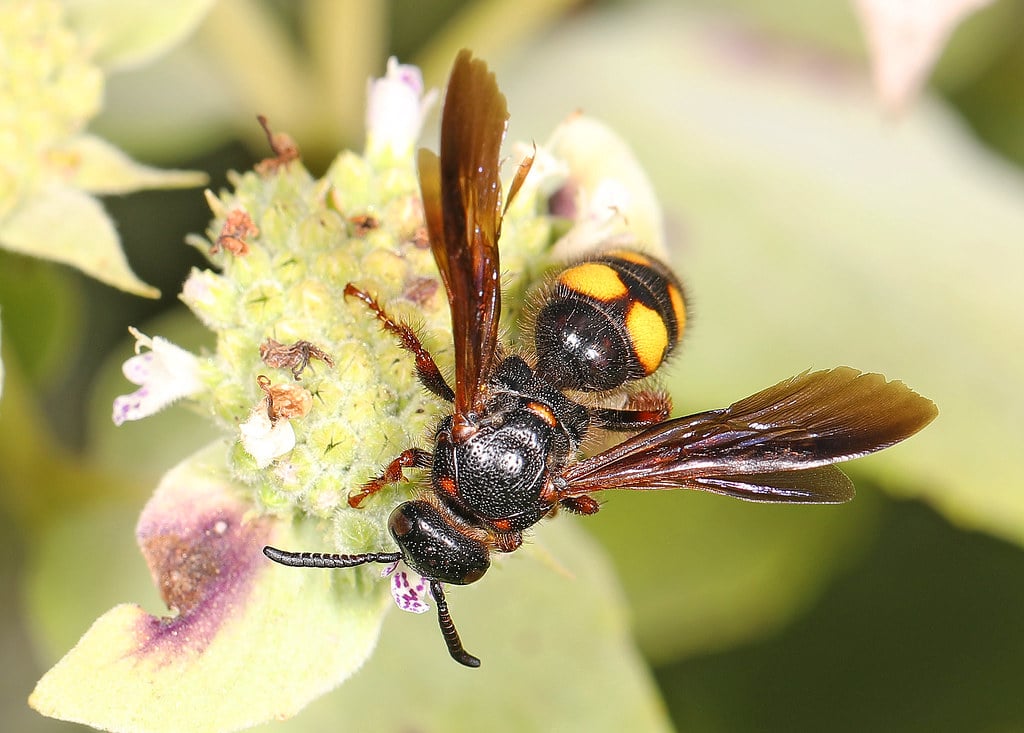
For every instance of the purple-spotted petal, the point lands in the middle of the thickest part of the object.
(165, 373)
(411, 591)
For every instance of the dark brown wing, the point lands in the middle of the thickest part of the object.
(776, 445)
(462, 203)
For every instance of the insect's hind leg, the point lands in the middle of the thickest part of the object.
(426, 368)
(645, 409)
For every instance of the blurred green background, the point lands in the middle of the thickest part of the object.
(812, 228)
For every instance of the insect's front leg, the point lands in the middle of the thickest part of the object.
(392, 473)
(451, 636)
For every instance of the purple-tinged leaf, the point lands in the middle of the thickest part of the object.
(246, 642)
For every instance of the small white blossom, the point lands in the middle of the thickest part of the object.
(196, 290)
(410, 590)
(164, 374)
(395, 110)
(906, 37)
(606, 194)
(265, 439)
(548, 173)
(601, 220)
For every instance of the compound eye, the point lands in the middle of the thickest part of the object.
(399, 522)
(474, 575)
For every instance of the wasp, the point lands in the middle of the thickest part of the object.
(509, 453)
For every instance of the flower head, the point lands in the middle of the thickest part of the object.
(165, 373)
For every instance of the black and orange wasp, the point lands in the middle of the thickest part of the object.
(509, 453)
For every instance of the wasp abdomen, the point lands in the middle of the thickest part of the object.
(609, 320)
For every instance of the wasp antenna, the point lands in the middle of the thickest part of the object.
(324, 560)
(451, 636)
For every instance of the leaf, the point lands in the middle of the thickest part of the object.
(42, 317)
(705, 573)
(102, 168)
(549, 626)
(68, 226)
(250, 641)
(810, 233)
(549, 617)
(127, 33)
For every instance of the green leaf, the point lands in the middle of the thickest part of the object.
(249, 641)
(812, 232)
(102, 168)
(126, 33)
(548, 618)
(42, 317)
(69, 226)
(549, 626)
(705, 573)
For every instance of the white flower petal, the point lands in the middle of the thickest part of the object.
(134, 406)
(607, 193)
(396, 108)
(265, 440)
(196, 289)
(139, 368)
(165, 374)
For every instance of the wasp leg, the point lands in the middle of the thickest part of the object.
(392, 473)
(426, 368)
(451, 636)
(645, 409)
(580, 504)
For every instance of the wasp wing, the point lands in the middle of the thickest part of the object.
(777, 445)
(462, 205)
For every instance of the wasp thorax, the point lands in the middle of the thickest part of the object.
(494, 475)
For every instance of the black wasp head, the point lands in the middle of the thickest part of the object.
(434, 548)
